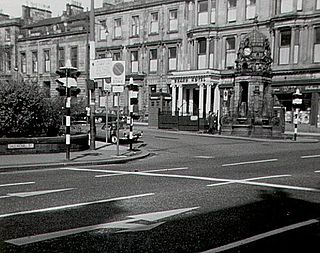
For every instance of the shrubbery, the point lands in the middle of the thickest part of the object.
(25, 112)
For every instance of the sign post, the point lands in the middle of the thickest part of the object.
(296, 104)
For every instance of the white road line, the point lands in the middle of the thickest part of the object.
(262, 236)
(15, 184)
(36, 193)
(242, 181)
(75, 205)
(250, 179)
(159, 170)
(250, 162)
(204, 157)
(317, 171)
(309, 156)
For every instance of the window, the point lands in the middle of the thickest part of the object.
(135, 26)
(46, 58)
(286, 6)
(316, 49)
(172, 58)
(134, 62)
(153, 66)
(74, 57)
(251, 9)
(61, 57)
(34, 62)
(46, 88)
(103, 30)
(7, 63)
(296, 46)
(318, 5)
(116, 56)
(285, 44)
(232, 10)
(173, 20)
(230, 52)
(154, 24)
(211, 52)
(117, 28)
(7, 34)
(202, 53)
(299, 5)
(213, 11)
(202, 12)
(23, 62)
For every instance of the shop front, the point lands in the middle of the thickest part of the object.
(309, 111)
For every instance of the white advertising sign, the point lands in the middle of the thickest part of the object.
(118, 73)
(100, 68)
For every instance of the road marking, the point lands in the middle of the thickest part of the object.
(128, 225)
(159, 170)
(249, 179)
(317, 171)
(262, 236)
(75, 205)
(203, 157)
(250, 162)
(15, 184)
(242, 181)
(35, 193)
(309, 156)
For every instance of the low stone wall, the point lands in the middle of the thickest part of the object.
(36, 145)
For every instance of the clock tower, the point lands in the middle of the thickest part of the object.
(252, 111)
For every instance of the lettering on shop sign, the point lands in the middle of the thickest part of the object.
(20, 145)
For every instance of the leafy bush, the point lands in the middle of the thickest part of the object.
(24, 111)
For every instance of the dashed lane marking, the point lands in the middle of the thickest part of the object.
(15, 184)
(309, 156)
(250, 162)
(262, 236)
(204, 157)
(75, 205)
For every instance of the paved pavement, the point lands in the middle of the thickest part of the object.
(107, 153)
(103, 154)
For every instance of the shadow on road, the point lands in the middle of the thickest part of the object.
(193, 232)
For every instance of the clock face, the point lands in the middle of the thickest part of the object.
(247, 51)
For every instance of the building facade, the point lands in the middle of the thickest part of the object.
(186, 48)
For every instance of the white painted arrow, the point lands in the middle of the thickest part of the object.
(35, 193)
(161, 215)
(130, 225)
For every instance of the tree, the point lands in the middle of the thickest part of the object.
(24, 111)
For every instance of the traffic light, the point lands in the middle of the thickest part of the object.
(68, 76)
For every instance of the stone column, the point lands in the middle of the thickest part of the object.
(208, 100)
(180, 95)
(174, 98)
(216, 99)
(201, 97)
(208, 53)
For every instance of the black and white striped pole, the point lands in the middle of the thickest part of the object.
(133, 99)
(68, 75)
(296, 104)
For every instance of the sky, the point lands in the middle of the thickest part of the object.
(13, 7)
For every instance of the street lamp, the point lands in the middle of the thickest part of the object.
(90, 83)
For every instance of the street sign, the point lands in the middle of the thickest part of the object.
(117, 88)
(118, 73)
(100, 68)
